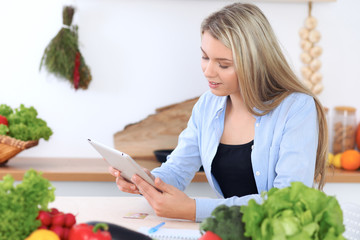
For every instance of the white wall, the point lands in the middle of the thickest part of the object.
(144, 55)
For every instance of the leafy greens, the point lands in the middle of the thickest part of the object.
(20, 204)
(226, 222)
(24, 123)
(297, 212)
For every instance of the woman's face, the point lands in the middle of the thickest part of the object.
(218, 66)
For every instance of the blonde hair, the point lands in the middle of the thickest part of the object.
(259, 62)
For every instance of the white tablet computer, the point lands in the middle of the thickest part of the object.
(121, 161)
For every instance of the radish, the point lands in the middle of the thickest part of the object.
(70, 220)
(54, 211)
(58, 219)
(44, 217)
(58, 230)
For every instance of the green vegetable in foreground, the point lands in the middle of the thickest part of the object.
(297, 212)
(20, 204)
(3, 129)
(24, 123)
(225, 222)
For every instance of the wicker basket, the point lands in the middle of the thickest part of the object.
(9, 147)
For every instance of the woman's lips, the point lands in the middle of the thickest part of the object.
(213, 84)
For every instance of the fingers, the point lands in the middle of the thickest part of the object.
(171, 202)
(122, 183)
(149, 173)
(145, 188)
(113, 171)
(159, 184)
(126, 186)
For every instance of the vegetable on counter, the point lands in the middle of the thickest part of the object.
(3, 120)
(23, 123)
(297, 212)
(210, 236)
(225, 222)
(20, 204)
(57, 221)
(43, 234)
(84, 231)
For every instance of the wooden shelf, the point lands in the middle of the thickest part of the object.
(59, 169)
(95, 169)
(342, 176)
(71, 169)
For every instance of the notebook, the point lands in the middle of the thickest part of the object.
(172, 233)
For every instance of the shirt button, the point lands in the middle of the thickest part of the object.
(257, 124)
(252, 146)
(257, 173)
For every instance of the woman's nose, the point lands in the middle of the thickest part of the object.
(209, 70)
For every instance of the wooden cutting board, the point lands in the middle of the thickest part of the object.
(157, 131)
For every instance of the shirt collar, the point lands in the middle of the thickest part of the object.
(221, 106)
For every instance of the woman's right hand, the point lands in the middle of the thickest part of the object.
(122, 183)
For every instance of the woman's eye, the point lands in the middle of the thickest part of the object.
(223, 67)
(205, 58)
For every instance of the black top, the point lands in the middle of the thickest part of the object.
(233, 171)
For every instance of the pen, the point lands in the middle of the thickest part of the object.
(154, 229)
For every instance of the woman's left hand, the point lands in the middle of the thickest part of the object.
(170, 203)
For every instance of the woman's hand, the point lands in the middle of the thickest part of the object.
(125, 185)
(170, 203)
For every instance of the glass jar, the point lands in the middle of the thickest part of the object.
(344, 129)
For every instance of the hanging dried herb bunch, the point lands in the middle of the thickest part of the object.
(62, 56)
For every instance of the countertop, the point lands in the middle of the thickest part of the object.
(114, 210)
(95, 169)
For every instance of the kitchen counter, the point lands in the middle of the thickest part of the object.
(114, 210)
(95, 169)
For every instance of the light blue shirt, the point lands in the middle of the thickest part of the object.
(284, 149)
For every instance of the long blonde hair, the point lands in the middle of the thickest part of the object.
(264, 75)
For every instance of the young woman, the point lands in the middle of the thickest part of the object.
(257, 128)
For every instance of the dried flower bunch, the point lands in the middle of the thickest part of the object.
(62, 56)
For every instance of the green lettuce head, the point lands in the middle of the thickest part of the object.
(297, 212)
